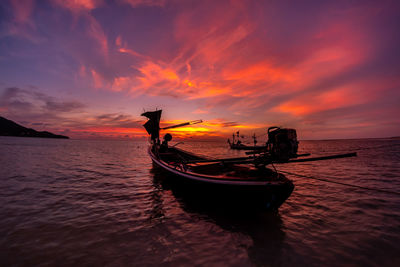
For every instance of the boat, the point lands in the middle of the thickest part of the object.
(238, 145)
(243, 182)
(237, 181)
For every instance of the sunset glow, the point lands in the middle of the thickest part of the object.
(88, 68)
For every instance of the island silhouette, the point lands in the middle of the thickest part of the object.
(10, 128)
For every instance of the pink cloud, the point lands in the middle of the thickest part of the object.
(200, 111)
(118, 41)
(326, 100)
(122, 84)
(22, 23)
(23, 10)
(212, 60)
(79, 5)
(98, 81)
(96, 32)
(81, 10)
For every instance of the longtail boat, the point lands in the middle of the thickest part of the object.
(240, 180)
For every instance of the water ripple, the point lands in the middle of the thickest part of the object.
(72, 202)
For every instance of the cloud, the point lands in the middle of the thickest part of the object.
(137, 3)
(181, 77)
(14, 98)
(54, 106)
(18, 20)
(118, 120)
(216, 59)
(200, 111)
(23, 10)
(115, 125)
(24, 104)
(98, 80)
(95, 30)
(221, 123)
(35, 109)
(79, 5)
(249, 62)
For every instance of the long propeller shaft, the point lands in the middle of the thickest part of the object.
(182, 124)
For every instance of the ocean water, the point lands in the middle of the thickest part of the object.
(96, 203)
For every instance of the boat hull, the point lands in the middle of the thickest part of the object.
(267, 195)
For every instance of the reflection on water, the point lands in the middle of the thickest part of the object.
(263, 228)
(90, 203)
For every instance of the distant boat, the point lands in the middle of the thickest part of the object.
(238, 145)
(238, 180)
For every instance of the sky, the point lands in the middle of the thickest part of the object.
(89, 68)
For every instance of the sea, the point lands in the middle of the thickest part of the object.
(103, 203)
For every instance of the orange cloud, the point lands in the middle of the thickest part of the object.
(154, 75)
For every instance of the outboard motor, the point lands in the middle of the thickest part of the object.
(282, 143)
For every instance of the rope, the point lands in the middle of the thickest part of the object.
(345, 184)
(366, 148)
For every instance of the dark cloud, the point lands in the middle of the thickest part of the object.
(118, 120)
(13, 99)
(55, 106)
(113, 117)
(229, 124)
(9, 93)
(18, 100)
(30, 107)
